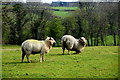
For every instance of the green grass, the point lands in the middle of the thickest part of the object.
(62, 13)
(64, 8)
(110, 40)
(94, 62)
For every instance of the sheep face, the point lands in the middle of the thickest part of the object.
(83, 41)
(50, 40)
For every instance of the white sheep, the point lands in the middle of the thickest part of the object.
(72, 44)
(32, 46)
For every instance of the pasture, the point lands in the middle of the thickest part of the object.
(63, 13)
(65, 8)
(94, 62)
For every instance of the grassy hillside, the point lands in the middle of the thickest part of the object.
(94, 62)
(65, 8)
(62, 13)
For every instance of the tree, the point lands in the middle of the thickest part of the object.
(5, 23)
(95, 20)
(55, 29)
(14, 19)
(20, 20)
(85, 21)
(69, 24)
(39, 16)
(23, 21)
(113, 20)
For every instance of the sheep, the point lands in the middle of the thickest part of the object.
(32, 46)
(72, 44)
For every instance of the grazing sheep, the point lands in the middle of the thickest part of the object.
(72, 44)
(32, 46)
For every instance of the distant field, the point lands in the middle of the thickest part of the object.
(63, 13)
(94, 62)
(64, 8)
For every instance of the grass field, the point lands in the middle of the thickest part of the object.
(65, 8)
(63, 14)
(94, 62)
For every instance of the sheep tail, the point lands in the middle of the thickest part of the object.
(64, 39)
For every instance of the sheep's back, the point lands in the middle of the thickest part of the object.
(32, 45)
(69, 41)
(68, 38)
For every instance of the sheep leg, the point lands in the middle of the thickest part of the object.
(69, 52)
(23, 55)
(28, 59)
(77, 52)
(41, 57)
(63, 50)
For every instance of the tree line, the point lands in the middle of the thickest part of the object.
(97, 22)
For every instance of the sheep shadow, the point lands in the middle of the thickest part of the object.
(68, 54)
(62, 54)
(15, 62)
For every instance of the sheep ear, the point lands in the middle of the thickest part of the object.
(50, 38)
(80, 40)
(46, 36)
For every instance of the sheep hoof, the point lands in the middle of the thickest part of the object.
(69, 54)
(29, 62)
(75, 53)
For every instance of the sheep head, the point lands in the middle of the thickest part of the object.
(83, 41)
(50, 41)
